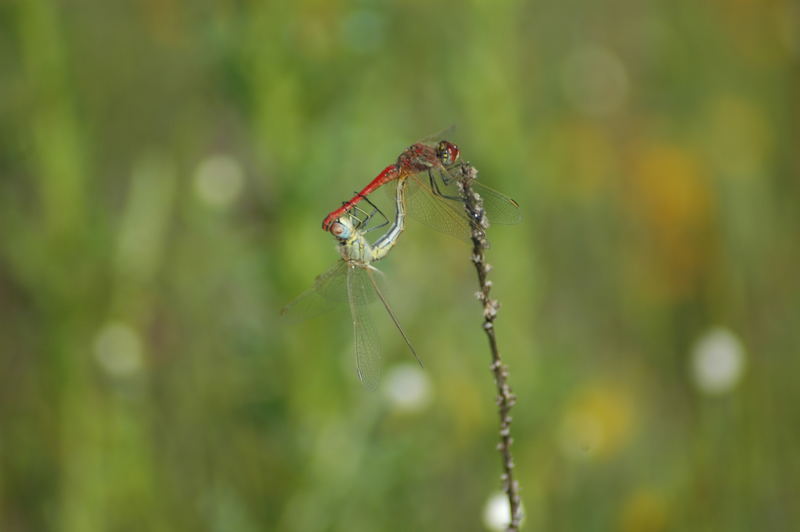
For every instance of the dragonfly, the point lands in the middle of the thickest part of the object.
(433, 197)
(354, 279)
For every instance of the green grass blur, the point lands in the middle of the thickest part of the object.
(164, 169)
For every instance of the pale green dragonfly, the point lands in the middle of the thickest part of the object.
(354, 279)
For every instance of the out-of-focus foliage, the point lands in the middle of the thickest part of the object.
(164, 168)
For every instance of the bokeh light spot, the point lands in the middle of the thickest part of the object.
(218, 180)
(595, 80)
(407, 388)
(497, 512)
(717, 362)
(118, 349)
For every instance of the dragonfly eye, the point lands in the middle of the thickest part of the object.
(447, 152)
(339, 230)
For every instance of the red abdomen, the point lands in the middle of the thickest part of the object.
(390, 173)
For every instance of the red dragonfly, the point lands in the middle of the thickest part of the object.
(427, 165)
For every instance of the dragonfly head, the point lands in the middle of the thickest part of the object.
(342, 229)
(447, 152)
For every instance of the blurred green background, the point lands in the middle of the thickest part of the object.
(164, 168)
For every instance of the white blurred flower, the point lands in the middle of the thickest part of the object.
(717, 362)
(407, 388)
(218, 180)
(497, 512)
(118, 349)
(595, 80)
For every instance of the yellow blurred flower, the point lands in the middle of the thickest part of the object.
(643, 511)
(670, 186)
(598, 423)
(670, 200)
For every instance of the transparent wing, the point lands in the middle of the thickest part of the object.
(440, 207)
(439, 213)
(445, 134)
(380, 293)
(328, 292)
(360, 293)
(500, 209)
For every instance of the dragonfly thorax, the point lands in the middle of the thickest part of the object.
(356, 250)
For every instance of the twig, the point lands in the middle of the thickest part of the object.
(473, 205)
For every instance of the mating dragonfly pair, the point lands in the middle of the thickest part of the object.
(425, 189)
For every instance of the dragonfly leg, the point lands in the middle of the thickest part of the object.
(368, 216)
(435, 187)
(358, 214)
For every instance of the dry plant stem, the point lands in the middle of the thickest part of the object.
(505, 398)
